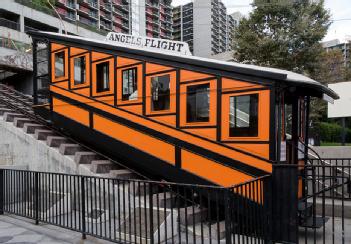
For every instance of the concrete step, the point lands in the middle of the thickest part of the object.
(192, 214)
(70, 149)
(42, 135)
(123, 174)
(165, 200)
(19, 122)
(9, 117)
(30, 128)
(85, 157)
(5, 110)
(103, 166)
(217, 230)
(56, 141)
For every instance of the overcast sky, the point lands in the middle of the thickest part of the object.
(340, 10)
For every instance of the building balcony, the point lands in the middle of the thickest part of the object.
(120, 14)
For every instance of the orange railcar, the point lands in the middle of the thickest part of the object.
(179, 118)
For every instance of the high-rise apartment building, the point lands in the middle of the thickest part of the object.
(205, 26)
(344, 46)
(140, 17)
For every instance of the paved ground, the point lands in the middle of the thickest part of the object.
(18, 230)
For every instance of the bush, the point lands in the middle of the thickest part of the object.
(331, 132)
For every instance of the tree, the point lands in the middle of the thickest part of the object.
(282, 34)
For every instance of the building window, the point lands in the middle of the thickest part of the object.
(59, 64)
(79, 70)
(102, 77)
(198, 103)
(130, 87)
(243, 116)
(160, 92)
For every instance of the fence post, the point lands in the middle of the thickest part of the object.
(36, 195)
(2, 186)
(228, 220)
(82, 190)
(151, 213)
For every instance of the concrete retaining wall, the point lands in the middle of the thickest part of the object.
(333, 151)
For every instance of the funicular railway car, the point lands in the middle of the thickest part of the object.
(172, 116)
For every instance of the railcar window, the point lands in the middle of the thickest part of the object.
(198, 103)
(130, 88)
(160, 89)
(79, 70)
(102, 77)
(59, 64)
(243, 116)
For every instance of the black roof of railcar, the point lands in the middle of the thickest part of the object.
(289, 78)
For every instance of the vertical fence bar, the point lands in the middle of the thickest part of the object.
(82, 190)
(36, 192)
(2, 191)
(227, 206)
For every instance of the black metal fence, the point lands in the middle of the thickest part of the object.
(139, 211)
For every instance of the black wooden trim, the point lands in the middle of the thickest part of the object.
(178, 98)
(91, 120)
(161, 72)
(245, 142)
(91, 74)
(79, 54)
(162, 114)
(129, 104)
(171, 127)
(69, 69)
(245, 90)
(219, 108)
(272, 125)
(102, 59)
(115, 82)
(80, 88)
(214, 156)
(65, 80)
(144, 88)
(58, 50)
(178, 157)
(199, 127)
(129, 65)
(105, 95)
(198, 80)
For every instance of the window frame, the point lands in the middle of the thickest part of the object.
(263, 120)
(65, 65)
(107, 73)
(111, 77)
(87, 71)
(172, 92)
(252, 129)
(135, 83)
(212, 103)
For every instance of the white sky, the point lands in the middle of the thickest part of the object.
(339, 9)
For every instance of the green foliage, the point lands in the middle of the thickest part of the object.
(283, 35)
(40, 5)
(331, 132)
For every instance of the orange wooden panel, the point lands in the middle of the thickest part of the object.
(139, 85)
(259, 163)
(213, 104)
(263, 116)
(137, 109)
(96, 56)
(168, 120)
(76, 51)
(55, 46)
(111, 77)
(230, 84)
(87, 71)
(211, 170)
(121, 61)
(151, 68)
(210, 133)
(84, 91)
(63, 84)
(187, 75)
(172, 106)
(70, 111)
(108, 99)
(65, 76)
(136, 139)
(257, 149)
